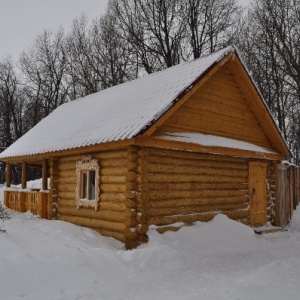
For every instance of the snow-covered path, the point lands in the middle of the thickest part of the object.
(222, 259)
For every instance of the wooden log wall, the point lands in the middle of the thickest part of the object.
(140, 187)
(115, 217)
(188, 187)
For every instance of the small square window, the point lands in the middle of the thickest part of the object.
(87, 189)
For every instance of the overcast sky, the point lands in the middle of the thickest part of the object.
(22, 20)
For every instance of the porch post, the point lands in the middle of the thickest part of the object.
(44, 174)
(8, 174)
(24, 175)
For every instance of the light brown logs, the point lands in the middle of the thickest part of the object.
(114, 162)
(113, 188)
(67, 187)
(189, 170)
(188, 178)
(67, 173)
(112, 206)
(67, 202)
(152, 186)
(67, 180)
(169, 194)
(112, 197)
(66, 195)
(94, 223)
(113, 171)
(107, 215)
(190, 155)
(53, 193)
(195, 209)
(67, 166)
(108, 206)
(131, 235)
(167, 220)
(113, 179)
(99, 155)
(197, 201)
(111, 154)
(155, 159)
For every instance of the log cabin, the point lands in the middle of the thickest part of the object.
(173, 147)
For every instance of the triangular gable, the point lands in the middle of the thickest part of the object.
(218, 108)
(226, 104)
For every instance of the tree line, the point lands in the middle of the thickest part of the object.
(136, 37)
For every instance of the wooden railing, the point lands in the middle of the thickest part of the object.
(22, 201)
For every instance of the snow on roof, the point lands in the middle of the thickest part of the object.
(118, 113)
(212, 140)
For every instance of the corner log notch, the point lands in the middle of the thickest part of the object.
(131, 232)
(53, 195)
(142, 195)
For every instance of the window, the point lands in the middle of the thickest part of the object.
(87, 182)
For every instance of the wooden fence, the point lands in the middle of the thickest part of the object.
(288, 193)
(22, 201)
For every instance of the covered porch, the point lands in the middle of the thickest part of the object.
(25, 200)
(39, 201)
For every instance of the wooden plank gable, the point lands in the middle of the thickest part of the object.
(219, 108)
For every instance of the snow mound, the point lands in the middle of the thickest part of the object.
(218, 236)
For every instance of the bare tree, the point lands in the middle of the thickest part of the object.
(280, 21)
(111, 56)
(270, 42)
(154, 29)
(44, 70)
(81, 78)
(12, 106)
(9, 123)
(210, 24)
(97, 55)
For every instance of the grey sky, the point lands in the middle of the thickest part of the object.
(22, 20)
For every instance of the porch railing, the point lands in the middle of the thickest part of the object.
(33, 201)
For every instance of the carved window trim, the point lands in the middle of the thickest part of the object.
(85, 165)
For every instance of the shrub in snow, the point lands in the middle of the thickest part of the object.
(3, 216)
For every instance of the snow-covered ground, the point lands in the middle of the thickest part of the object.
(221, 259)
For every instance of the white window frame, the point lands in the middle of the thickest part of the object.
(85, 165)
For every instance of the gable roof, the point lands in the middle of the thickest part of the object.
(118, 113)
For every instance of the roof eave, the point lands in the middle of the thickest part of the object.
(67, 152)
